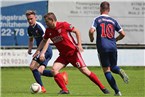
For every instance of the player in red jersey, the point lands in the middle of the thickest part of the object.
(69, 51)
(38, 64)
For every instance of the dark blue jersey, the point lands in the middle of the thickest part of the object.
(36, 32)
(105, 27)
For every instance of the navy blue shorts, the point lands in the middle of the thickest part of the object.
(48, 56)
(108, 59)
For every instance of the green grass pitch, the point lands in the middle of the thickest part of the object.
(15, 82)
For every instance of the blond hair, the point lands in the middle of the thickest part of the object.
(29, 12)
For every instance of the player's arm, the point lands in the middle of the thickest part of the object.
(30, 45)
(120, 36)
(42, 54)
(41, 45)
(78, 37)
(92, 30)
(91, 34)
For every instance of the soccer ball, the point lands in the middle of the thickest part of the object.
(35, 88)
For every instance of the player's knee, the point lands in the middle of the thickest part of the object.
(54, 71)
(106, 69)
(85, 71)
(31, 67)
(41, 69)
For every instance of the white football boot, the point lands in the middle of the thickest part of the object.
(124, 76)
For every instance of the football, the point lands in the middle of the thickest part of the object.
(35, 88)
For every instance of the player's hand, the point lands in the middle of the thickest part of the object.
(29, 52)
(36, 54)
(91, 34)
(80, 48)
(42, 57)
(92, 39)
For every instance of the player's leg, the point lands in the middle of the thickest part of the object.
(42, 66)
(113, 63)
(49, 73)
(34, 68)
(57, 66)
(65, 77)
(93, 77)
(78, 62)
(44, 63)
(116, 69)
(110, 79)
(105, 62)
(44, 72)
(41, 70)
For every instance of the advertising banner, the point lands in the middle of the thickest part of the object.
(13, 20)
(20, 58)
(129, 13)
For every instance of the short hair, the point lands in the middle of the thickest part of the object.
(29, 12)
(51, 16)
(105, 6)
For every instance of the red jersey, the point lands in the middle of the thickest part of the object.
(62, 38)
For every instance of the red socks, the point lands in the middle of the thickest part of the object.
(59, 80)
(96, 80)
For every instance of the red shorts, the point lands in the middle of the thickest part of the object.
(76, 60)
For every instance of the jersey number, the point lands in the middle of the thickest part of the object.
(107, 30)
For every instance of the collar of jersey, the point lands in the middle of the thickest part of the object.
(105, 15)
(34, 25)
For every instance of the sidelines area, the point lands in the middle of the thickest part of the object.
(20, 58)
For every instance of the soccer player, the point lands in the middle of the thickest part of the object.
(105, 26)
(69, 51)
(38, 64)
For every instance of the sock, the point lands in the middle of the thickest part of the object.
(37, 76)
(47, 73)
(111, 81)
(59, 80)
(115, 69)
(95, 79)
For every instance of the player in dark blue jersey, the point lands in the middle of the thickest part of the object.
(105, 26)
(38, 64)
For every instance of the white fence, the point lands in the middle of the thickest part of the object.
(20, 58)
